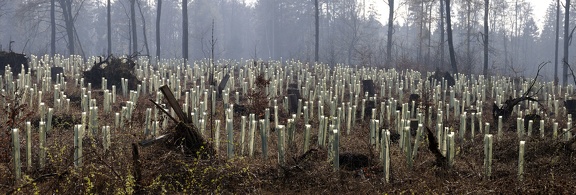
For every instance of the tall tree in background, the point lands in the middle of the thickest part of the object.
(109, 24)
(441, 33)
(133, 26)
(390, 31)
(158, 14)
(450, 41)
(556, 44)
(66, 6)
(185, 29)
(486, 7)
(566, 42)
(144, 34)
(317, 37)
(53, 27)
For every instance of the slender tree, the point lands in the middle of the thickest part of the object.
(390, 32)
(450, 42)
(441, 32)
(109, 24)
(133, 26)
(53, 28)
(486, 7)
(66, 6)
(185, 29)
(317, 20)
(566, 42)
(144, 34)
(158, 14)
(557, 40)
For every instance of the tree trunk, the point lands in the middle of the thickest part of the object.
(468, 62)
(428, 54)
(53, 28)
(557, 42)
(450, 42)
(69, 23)
(390, 32)
(486, 7)
(144, 30)
(185, 29)
(109, 24)
(158, 14)
(566, 42)
(441, 34)
(317, 37)
(133, 25)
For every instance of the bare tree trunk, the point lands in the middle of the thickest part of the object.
(566, 42)
(450, 42)
(53, 28)
(144, 30)
(69, 23)
(109, 24)
(556, 80)
(317, 37)
(486, 7)
(468, 62)
(390, 32)
(133, 29)
(428, 55)
(158, 14)
(441, 33)
(185, 29)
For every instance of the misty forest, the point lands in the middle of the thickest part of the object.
(287, 97)
(350, 32)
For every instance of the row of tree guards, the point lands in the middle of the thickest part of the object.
(300, 101)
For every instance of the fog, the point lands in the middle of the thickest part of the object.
(349, 32)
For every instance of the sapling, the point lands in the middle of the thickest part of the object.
(42, 155)
(530, 125)
(290, 127)
(106, 138)
(541, 128)
(281, 158)
(242, 134)
(230, 142)
(499, 127)
(217, 135)
(521, 161)
(29, 145)
(264, 136)
(307, 137)
(386, 156)
(49, 120)
(488, 155)
(451, 153)
(16, 154)
(78, 145)
(336, 150)
(408, 147)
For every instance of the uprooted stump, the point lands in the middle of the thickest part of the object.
(188, 137)
(113, 69)
(15, 60)
(184, 134)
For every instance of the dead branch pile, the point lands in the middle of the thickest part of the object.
(15, 60)
(113, 69)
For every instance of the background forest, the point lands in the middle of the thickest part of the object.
(351, 31)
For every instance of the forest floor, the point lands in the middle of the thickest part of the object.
(162, 169)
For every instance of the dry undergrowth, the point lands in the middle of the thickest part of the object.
(167, 170)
